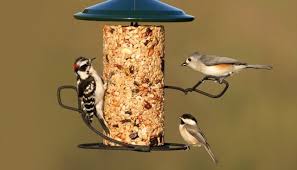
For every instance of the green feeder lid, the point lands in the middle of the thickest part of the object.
(134, 11)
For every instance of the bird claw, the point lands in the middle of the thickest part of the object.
(88, 119)
(217, 81)
(188, 90)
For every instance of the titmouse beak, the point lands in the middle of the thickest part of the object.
(184, 64)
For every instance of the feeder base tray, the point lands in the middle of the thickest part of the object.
(165, 147)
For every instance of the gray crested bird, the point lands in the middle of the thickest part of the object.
(193, 135)
(218, 67)
(91, 90)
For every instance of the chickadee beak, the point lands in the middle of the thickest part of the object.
(181, 120)
(184, 64)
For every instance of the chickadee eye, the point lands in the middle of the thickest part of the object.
(189, 59)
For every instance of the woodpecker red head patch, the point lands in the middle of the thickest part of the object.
(75, 67)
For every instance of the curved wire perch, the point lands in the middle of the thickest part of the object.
(165, 147)
(176, 88)
(129, 146)
(208, 78)
(124, 146)
(194, 88)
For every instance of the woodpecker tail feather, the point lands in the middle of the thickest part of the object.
(258, 66)
(103, 125)
(207, 148)
(99, 115)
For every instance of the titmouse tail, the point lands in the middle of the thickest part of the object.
(207, 148)
(258, 66)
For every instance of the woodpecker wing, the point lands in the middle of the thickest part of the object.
(86, 87)
(210, 60)
(86, 92)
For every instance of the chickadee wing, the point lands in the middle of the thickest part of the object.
(211, 60)
(200, 131)
(196, 132)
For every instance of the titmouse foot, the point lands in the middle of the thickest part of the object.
(221, 81)
(217, 80)
(188, 90)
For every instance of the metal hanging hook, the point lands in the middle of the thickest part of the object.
(123, 145)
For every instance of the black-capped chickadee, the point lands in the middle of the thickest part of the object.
(218, 67)
(193, 135)
(91, 90)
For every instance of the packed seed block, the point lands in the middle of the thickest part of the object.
(133, 59)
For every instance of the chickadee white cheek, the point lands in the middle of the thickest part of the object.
(189, 121)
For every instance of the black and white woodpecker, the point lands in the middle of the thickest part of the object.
(91, 89)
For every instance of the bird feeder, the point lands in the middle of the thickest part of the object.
(133, 66)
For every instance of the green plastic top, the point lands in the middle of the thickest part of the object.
(134, 11)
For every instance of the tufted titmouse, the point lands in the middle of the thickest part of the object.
(218, 67)
(193, 135)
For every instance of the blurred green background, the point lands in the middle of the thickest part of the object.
(252, 127)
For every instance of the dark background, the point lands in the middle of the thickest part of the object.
(252, 127)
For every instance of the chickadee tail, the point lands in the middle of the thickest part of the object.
(207, 148)
(258, 66)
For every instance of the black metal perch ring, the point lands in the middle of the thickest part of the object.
(194, 88)
(123, 146)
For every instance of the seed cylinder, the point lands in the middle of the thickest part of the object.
(133, 60)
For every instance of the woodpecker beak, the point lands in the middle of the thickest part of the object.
(75, 67)
(184, 64)
(93, 59)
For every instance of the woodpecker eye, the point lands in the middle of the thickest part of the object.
(83, 67)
